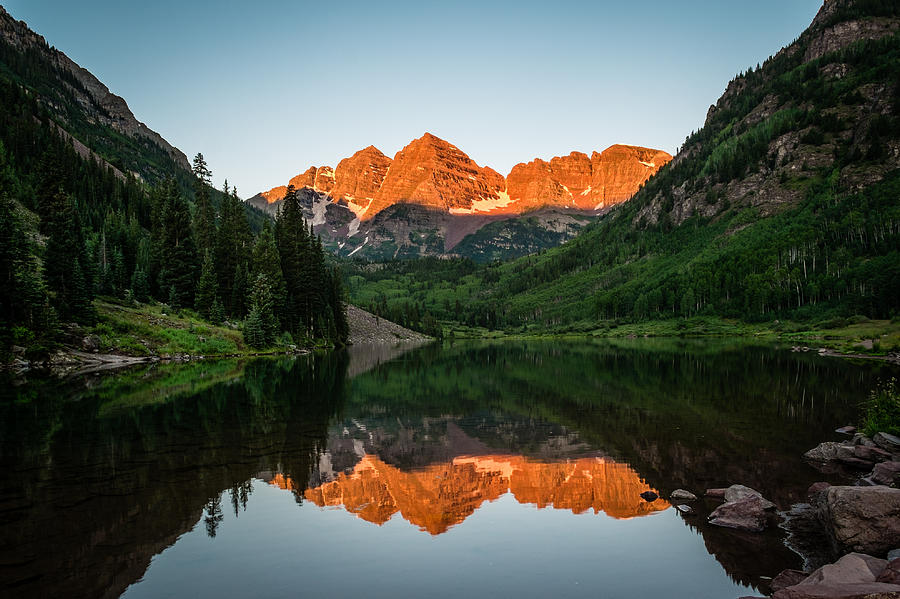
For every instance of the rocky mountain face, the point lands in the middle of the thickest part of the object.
(431, 196)
(83, 104)
(834, 115)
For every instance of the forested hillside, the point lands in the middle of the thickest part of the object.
(94, 204)
(786, 204)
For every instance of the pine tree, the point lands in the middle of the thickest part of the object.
(261, 314)
(207, 288)
(205, 214)
(179, 268)
(71, 293)
(140, 285)
(265, 261)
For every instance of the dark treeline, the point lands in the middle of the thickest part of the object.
(72, 228)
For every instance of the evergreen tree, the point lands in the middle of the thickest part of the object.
(265, 261)
(71, 293)
(205, 214)
(140, 285)
(178, 271)
(261, 321)
(207, 288)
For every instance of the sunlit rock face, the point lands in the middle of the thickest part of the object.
(358, 178)
(434, 173)
(431, 172)
(440, 496)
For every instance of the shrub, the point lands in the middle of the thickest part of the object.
(883, 410)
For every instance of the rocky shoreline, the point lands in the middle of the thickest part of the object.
(858, 524)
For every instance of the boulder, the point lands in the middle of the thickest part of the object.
(887, 473)
(649, 496)
(746, 514)
(889, 442)
(740, 492)
(682, 495)
(828, 451)
(788, 578)
(865, 519)
(853, 576)
(891, 572)
(715, 493)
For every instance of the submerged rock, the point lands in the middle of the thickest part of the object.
(682, 495)
(649, 496)
(684, 509)
(740, 492)
(864, 519)
(846, 430)
(745, 514)
(715, 493)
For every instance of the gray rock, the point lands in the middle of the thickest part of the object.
(846, 430)
(828, 451)
(740, 492)
(682, 495)
(715, 493)
(864, 519)
(684, 509)
(886, 441)
(893, 554)
(746, 514)
(815, 489)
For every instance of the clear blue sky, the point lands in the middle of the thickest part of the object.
(266, 89)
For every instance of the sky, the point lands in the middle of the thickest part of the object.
(266, 89)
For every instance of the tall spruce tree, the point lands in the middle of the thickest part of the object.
(178, 273)
(207, 287)
(205, 214)
(64, 256)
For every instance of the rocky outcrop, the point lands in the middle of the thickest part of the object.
(358, 178)
(92, 96)
(865, 519)
(432, 172)
(855, 575)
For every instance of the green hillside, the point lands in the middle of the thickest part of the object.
(785, 204)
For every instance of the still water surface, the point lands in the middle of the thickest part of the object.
(508, 469)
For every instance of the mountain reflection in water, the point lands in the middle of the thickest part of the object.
(443, 495)
(105, 474)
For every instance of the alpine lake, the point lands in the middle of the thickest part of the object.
(471, 469)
